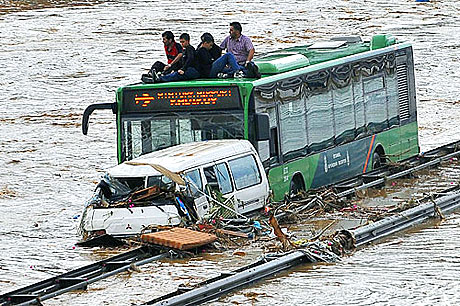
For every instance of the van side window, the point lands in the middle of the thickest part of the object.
(245, 172)
(218, 178)
(159, 180)
(194, 178)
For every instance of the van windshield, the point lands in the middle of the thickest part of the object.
(148, 133)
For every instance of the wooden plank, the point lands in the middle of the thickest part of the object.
(179, 238)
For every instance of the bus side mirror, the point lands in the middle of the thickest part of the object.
(262, 126)
(90, 109)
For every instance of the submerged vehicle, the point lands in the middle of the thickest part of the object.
(321, 113)
(176, 184)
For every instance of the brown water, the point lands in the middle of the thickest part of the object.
(57, 57)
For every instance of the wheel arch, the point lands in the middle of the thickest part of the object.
(379, 151)
(299, 180)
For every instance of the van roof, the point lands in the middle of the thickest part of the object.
(182, 157)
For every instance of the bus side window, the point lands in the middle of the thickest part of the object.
(223, 178)
(274, 152)
(375, 102)
(146, 133)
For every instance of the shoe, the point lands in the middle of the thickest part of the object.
(152, 71)
(147, 78)
(239, 74)
(222, 75)
(156, 77)
(253, 70)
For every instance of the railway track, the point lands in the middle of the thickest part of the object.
(80, 278)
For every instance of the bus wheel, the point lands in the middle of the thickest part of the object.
(376, 160)
(296, 185)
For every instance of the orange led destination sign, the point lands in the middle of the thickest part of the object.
(198, 98)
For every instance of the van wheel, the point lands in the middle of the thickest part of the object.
(296, 185)
(376, 161)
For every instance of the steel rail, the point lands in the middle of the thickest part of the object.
(80, 278)
(84, 284)
(230, 281)
(406, 219)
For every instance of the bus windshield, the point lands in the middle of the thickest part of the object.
(146, 133)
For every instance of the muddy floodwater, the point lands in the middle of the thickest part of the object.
(57, 57)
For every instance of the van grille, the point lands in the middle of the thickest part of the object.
(403, 91)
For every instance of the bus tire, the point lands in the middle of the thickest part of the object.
(297, 184)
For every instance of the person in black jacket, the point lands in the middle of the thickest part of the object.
(203, 55)
(188, 69)
(215, 50)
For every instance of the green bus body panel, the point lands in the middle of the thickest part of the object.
(409, 140)
(345, 161)
(119, 98)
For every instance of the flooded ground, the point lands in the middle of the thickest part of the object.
(57, 57)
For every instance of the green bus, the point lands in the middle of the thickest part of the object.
(320, 113)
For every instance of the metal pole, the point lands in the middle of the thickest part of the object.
(95, 279)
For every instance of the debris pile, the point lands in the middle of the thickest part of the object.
(304, 205)
(234, 230)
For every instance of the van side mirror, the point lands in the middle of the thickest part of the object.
(262, 126)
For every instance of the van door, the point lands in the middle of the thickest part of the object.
(218, 180)
(250, 182)
(196, 190)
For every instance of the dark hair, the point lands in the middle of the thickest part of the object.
(207, 37)
(185, 36)
(237, 26)
(168, 35)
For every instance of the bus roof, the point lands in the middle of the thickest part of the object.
(289, 59)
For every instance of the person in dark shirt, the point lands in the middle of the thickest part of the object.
(173, 52)
(215, 50)
(210, 63)
(188, 70)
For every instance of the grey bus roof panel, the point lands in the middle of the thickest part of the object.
(327, 64)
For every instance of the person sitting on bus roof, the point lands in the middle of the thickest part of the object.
(173, 52)
(215, 50)
(188, 69)
(223, 67)
(242, 48)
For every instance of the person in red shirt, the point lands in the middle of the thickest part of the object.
(173, 52)
(188, 69)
